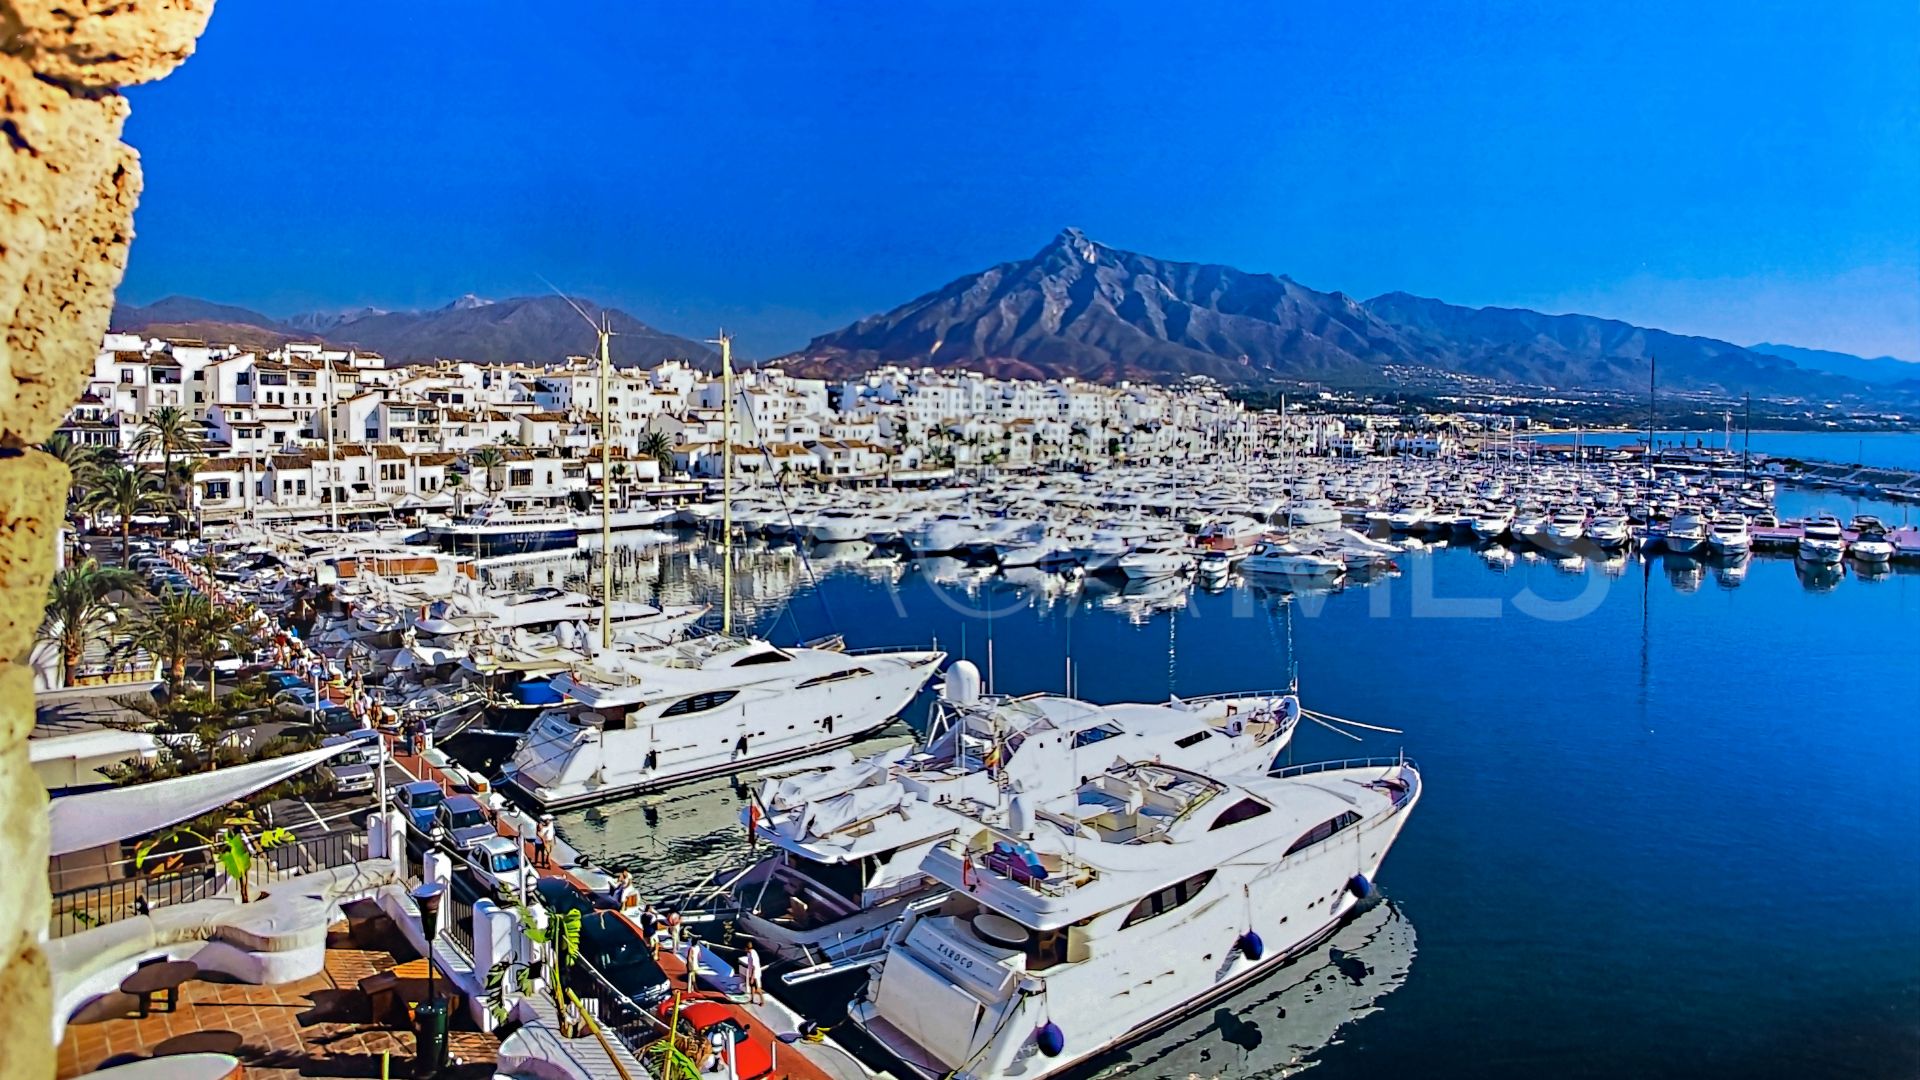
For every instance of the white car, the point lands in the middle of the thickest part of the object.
(499, 867)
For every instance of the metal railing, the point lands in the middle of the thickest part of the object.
(621, 1016)
(459, 924)
(88, 906)
(1349, 763)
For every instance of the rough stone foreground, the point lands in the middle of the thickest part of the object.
(68, 186)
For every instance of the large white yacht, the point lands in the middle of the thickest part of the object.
(1143, 894)
(1730, 535)
(1823, 541)
(508, 528)
(1288, 560)
(848, 840)
(657, 717)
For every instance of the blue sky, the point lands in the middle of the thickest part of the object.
(1745, 170)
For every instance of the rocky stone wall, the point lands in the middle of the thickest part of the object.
(67, 191)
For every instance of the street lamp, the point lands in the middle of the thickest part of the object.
(427, 898)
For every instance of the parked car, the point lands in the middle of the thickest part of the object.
(279, 679)
(420, 801)
(299, 697)
(497, 866)
(611, 944)
(464, 822)
(351, 772)
(706, 1019)
(335, 720)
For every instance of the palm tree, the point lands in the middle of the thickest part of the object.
(486, 459)
(171, 431)
(217, 633)
(658, 446)
(80, 606)
(124, 492)
(169, 630)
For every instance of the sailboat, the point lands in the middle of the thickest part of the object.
(650, 718)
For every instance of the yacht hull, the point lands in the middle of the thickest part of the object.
(486, 542)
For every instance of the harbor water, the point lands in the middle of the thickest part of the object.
(1670, 819)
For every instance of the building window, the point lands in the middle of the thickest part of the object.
(126, 377)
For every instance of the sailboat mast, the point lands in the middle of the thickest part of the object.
(726, 483)
(606, 491)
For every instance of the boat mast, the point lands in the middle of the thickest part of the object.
(1652, 410)
(333, 461)
(606, 489)
(726, 481)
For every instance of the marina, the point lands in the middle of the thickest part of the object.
(502, 651)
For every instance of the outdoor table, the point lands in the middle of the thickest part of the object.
(164, 977)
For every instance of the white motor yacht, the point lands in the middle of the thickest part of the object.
(1145, 893)
(1729, 535)
(1686, 533)
(1610, 531)
(1566, 527)
(1823, 541)
(1491, 523)
(712, 705)
(849, 839)
(1290, 561)
(1154, 561)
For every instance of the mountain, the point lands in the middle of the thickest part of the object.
(1587, 352)
(319, 322)
(529, 328)
(1078, 307)
(1084, 309)
(1879, 370)
(177, 310)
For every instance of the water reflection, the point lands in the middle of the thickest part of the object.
(1276, 1026)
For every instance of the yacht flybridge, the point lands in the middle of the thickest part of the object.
(1141, 894)
(849, 839)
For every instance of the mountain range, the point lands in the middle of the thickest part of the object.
(1081, 308)
(1078, 307)
(527, 328)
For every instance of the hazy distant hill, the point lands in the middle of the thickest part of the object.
(531, 328)
(1077, 307)
(1881, 370)
(534, 329)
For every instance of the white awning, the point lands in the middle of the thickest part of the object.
(103, 817)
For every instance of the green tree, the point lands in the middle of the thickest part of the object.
(168, 430)
(169, 631)
(80, 607)
(124, 493)
(658, 446)
(485, 460)
(217, 633)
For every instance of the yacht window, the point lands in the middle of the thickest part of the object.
(1093, 735)
(1238, 812)
(850, 673)
(1324, 830)
(700, 703)
(1167, 899)
(771, 656)
(1193, 739)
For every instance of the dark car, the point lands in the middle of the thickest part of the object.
(610, 943)
(335, 720)
(464, 822)
(279, 679)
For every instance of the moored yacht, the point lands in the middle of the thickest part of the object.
(1154, 561)
(1686, 533)
(849, 840)
(502, 528)
(1290, 561)
(1823, 542)
(1144, 894)
(1610, 531)
(652, 718)
(1729, 535)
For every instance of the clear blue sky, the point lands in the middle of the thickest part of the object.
(1746, 170)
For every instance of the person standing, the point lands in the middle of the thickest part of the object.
(543, 838)
(750, 971)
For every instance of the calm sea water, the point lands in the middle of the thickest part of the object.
(1671, 825)
(1896, 449)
